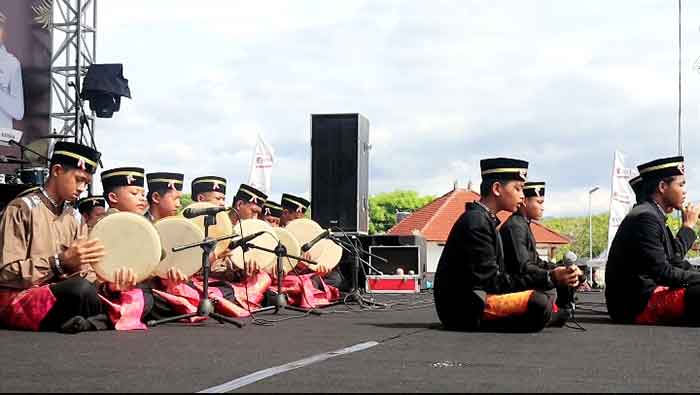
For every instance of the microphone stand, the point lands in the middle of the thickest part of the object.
(280, 301)
(355, 295)
(206, 306)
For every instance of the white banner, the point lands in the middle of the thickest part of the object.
(261, 166)
(622, 197)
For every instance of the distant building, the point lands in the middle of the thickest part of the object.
(435, 220)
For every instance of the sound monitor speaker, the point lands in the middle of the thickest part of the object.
(340, 171)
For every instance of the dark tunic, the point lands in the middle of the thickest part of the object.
(473, 260)
(644, 255)
(520, 247)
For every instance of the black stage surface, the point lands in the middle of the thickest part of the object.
(412, 355)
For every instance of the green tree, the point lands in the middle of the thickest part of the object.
(384, 206)
(185, 200)
(576, 229)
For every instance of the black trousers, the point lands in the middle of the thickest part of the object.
(74, 297)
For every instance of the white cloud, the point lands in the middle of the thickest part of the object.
(443, 83)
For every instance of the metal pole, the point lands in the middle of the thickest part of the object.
(78, 134)
(590, 227)
(680, 52)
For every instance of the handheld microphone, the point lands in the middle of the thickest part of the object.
(196, 212)
(242, 241)
(306, 247)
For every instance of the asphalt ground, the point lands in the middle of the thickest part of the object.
(408, 352)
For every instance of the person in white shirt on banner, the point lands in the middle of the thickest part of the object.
(11, 93)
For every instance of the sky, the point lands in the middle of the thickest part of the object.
(562, 84)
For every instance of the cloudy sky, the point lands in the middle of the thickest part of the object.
(444, 83)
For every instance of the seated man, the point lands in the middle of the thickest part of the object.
(92, 209)
(211, 189)
(248, 204)
(272, 213)
(164, 192)
(646, 283)
(520, 247)
(293, 207)
(45, 258)
(473, 289)
(123, 189)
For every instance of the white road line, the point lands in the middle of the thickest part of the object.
(263, 374)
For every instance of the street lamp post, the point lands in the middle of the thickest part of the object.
(590, 222)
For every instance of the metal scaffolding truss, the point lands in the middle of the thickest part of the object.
(73, 34)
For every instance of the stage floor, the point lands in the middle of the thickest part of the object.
(411, 354)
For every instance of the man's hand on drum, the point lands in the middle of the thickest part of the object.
(124, 279)
(81, 252)
(320, 269)
(251, 268)
(176, 276)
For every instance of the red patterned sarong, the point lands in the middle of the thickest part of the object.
(25, 309)
(507, 305)
(302, 291)
(666, 306)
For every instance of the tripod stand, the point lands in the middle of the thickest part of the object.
(280, 302)
(355, 295)
(206, 306)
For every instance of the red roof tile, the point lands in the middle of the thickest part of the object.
(435, 220)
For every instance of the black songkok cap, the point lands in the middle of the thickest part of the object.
(504, 169)
(75, 155)
(123, 177)
(86, 204)
(662, 168)
(250, 195)
(533, 189)
(295, 203)
(161, 181)
(272, 209)
(208, 184)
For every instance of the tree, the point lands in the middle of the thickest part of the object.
(185, 200)
(384, 206)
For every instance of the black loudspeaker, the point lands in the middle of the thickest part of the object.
(340, 171)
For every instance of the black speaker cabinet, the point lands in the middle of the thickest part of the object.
(340, 171)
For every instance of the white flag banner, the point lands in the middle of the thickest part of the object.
(622, 197)
(261, 166)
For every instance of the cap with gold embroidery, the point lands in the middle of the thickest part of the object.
(272, 209)
(295, 203)
(208, 184)
(662, 168)
(123, 177)
(533, 189)
(250, 195)
(75, 155)
(86, 204)
(636, 184)
(162, 181)
(504, 169)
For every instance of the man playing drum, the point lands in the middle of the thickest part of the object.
(45, 274)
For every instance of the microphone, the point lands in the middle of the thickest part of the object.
(196, 212)
(244, 240)
(570, 258)
(306, 247)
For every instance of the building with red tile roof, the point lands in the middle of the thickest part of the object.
(435, 220)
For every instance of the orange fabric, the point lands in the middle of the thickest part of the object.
(507, 305)
(666, 306)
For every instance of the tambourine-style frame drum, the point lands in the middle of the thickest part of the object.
(175, 232)
(325, 252)
(223, 226)
(265, 260)
(33, 175)
(131, 242)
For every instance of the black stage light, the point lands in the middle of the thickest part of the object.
(103, 86)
